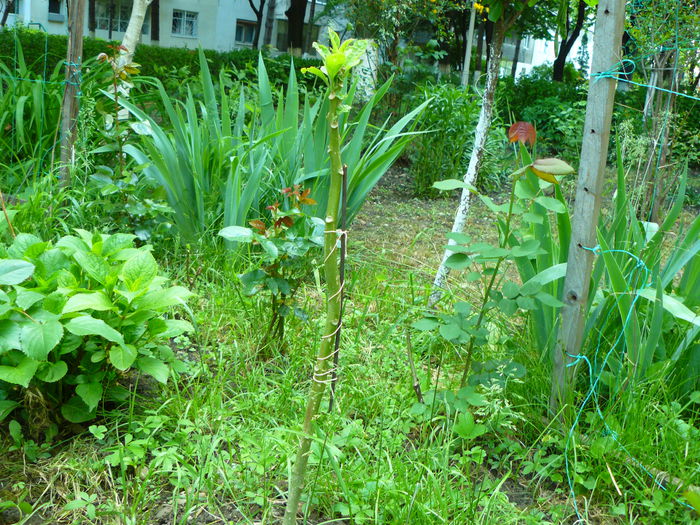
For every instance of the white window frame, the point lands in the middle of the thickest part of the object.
(120, 21)
(185, 16)
(245, 24)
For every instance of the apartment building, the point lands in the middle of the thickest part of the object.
(214, 24)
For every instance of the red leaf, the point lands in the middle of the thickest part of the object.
(523, 132)
(258, 225)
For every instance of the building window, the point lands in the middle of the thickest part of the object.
(245, 32)
(184, 23)
(54, 6)
(120, 16)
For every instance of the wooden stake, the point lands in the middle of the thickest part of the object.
(71, 94)
(607, 41)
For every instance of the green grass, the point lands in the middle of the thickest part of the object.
(216, 445)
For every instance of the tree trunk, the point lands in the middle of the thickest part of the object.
(482, 129)
(516, 56)
(71, 101)
(155, 21)
(8, 8)
(568, 42)
(269, 22)
(468, 40)
(259, 11)
(310, 33)
(295, 25)
(489, 38)
(92, 23)
(110, 20)
(133, 30)
(479, 48)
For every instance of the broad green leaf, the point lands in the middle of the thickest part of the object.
(692, 497)
(38, 339)
(93, 265)
(471, 396)
(545, 169)
(458, 261)
(529, 248)
(549, 300)
(117, 242)
(9, 335)
(90, 393)
(551, 204)
(138, 272)
(26, 298)
(459, 238)
(169, 327)
(450, 331)
(76, 411)
(427, 323)
(237, 234)
(672, 306)
(154, 367)
(535, 284)
(14, 271)
(453, 184)
(87, 325)
(122, 356)
(52, 372)
(466, 428)
(21, 374)
(6, 407)
(161, 299)
(510, 290)
(88, 301)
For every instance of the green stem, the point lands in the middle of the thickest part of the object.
(487, 292)
(322, 370)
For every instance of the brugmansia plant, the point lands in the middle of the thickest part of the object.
(338, 62)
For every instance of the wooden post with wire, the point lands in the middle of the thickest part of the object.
(71, 93)
(607, 42)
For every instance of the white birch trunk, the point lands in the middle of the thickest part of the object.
(482, 130)
(468, 49)
(132, 35)
(133, 30)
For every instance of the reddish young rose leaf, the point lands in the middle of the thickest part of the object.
(523, 132)
(258, 225)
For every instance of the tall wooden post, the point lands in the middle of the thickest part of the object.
(71, 93)
(594, 151)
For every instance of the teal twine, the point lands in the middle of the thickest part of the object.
(619, 67)
(75, 75)
(594, 379)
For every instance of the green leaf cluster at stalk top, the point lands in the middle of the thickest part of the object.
(338, 59)
(76, 314)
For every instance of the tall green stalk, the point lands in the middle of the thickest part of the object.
(338, 63)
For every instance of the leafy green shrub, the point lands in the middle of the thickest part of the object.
(448, 123)
(443, 150)
(75, 316)
(45, 52)
(559, 125)
(285, 243)
(514, 95)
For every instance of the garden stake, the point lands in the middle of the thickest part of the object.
(343, 250)
(338, 62)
